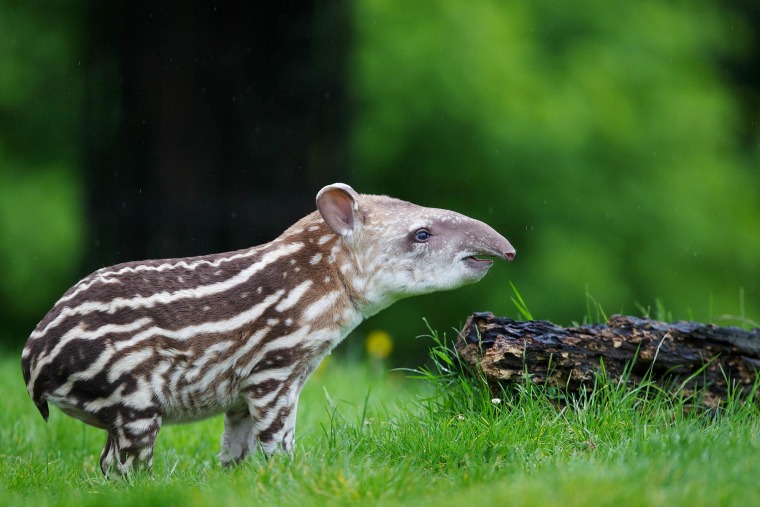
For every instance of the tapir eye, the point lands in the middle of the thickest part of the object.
(422, 235)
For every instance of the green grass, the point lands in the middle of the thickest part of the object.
(368, 437)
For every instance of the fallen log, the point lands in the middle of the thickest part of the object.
(688, 357)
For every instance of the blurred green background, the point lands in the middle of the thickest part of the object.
(616, 144)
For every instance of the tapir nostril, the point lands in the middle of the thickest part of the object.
(509, 255)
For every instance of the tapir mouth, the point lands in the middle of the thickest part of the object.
(477, 263)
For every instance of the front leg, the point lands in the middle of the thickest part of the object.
(276, 425)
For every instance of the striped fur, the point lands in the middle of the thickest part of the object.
(138, 345)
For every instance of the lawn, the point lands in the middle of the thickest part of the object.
(369, 436)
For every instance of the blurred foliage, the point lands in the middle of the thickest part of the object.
(602, 138)
(41, 222)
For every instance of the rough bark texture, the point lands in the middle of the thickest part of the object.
(683, 355)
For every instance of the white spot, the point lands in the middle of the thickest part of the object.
(313, 228)
(273, 322)
(315, 259)
(288, 322)
(333, 254)
(324, 239)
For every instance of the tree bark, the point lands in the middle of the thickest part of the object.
(709, 360)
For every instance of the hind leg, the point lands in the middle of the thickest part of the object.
(130, 446)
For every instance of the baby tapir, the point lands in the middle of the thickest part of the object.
(141, 344)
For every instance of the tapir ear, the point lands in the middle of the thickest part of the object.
(338, 207)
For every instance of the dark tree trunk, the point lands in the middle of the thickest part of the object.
(210, 126)
(685, 356)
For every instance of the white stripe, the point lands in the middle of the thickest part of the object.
(293, 296)
(208, 354)
(96, 367)
(226, 367)
(279, 374)
(321, 306)
(200, 365)
(259, 401)
(102, 275)
(220, 326)
(78, 332)
(128, 362)
(181, 334)
(272, 374)
(157, 380)
(139, 398)
(166, 297)
(282, 342)
(264, 419)
(141, 425)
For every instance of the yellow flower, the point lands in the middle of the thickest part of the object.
(379, 344)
